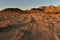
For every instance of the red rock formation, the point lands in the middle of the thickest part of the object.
(42, 8)
(58, 8)
(32, 25)
(51, 9)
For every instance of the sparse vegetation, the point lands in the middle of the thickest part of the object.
(41, 23)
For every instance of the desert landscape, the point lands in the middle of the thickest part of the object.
(42, 23)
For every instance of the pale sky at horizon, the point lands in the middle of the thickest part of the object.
(26, 4)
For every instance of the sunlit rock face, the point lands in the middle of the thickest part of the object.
(58, 8)
(34, 24)
(51, 8)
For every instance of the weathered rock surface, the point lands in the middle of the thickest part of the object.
(32, 25)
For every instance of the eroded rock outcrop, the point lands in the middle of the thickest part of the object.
(32, 25)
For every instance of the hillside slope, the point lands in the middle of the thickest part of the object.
(35, 24)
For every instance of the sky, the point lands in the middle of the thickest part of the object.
(27, 4)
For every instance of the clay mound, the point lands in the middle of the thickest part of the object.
(32, 25)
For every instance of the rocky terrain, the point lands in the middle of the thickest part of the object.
(42, 23)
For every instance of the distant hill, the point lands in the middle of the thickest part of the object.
(12, 9)
(42, 23)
